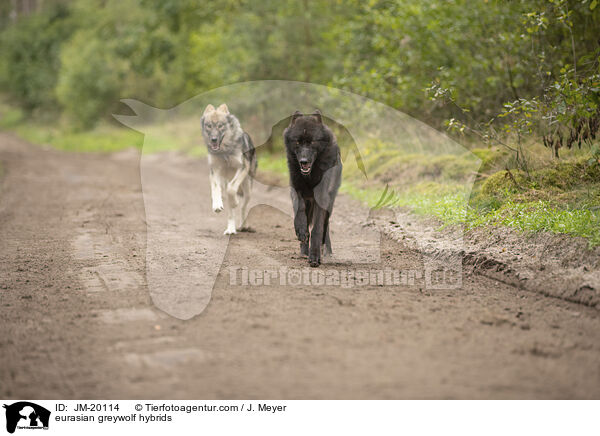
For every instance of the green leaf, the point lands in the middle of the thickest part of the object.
(593, 5)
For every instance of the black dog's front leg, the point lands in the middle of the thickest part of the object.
(300, 222)
(316, 236)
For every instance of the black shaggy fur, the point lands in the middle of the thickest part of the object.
(315, 167)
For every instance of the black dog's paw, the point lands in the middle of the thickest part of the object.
(314, 260)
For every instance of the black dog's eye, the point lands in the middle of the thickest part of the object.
(208, 125)
(220, 125)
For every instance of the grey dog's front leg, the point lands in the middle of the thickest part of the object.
(215, 189)
(300, 221)
(234, 185)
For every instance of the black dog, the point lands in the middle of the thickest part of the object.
(315, 166)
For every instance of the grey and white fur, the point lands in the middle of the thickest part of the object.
(232, 163)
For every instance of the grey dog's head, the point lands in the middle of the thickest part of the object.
(304, 138)
(214, 126)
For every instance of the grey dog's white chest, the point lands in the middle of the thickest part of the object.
(226, 161)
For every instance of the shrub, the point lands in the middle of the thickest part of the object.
(90, 80)
(29, 56)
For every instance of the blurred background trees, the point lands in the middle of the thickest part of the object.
(471, 62)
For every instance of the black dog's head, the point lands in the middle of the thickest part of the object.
(305, 138)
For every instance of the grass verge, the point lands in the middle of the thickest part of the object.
(561, 197)
(104, 138)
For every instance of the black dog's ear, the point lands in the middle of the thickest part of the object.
(295, 116)
(317, 115)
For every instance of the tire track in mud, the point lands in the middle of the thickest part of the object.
(79, 321)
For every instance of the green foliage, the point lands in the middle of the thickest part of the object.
(561, 102)
(508, 76)
(90, 80)
(473, 47)
(110, 56)
(480, 55)
(29, 57)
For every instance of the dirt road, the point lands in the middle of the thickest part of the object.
(78, 320)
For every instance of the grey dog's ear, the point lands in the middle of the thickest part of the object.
(317, 115)
(295, 116)
(223, 108)
(210, 108)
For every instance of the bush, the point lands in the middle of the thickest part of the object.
(29, 57)
(90, 80)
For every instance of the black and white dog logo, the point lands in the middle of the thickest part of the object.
(26, 415)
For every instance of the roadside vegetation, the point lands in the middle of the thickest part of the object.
(559, 197)
(517, 83)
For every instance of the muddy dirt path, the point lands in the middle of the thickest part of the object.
(78, 320)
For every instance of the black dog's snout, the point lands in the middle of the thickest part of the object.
(214, 139)
(303, 160)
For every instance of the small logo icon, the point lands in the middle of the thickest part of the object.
(26, 415)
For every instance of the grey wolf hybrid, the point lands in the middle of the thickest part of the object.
(315, 167)
(232, 162)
